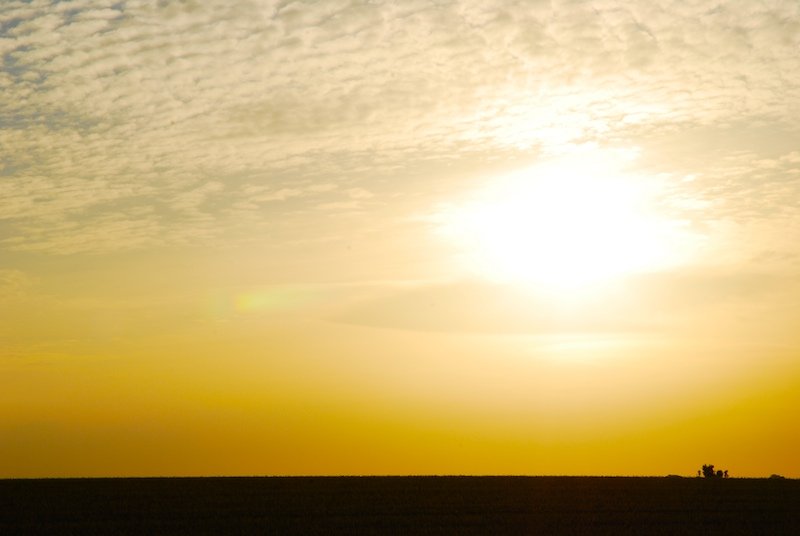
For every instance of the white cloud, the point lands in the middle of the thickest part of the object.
(108, 104)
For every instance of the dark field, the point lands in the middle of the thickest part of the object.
(400, 505)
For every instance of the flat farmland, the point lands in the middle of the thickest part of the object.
(400, 505)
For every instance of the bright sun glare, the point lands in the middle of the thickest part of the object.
(564, 224)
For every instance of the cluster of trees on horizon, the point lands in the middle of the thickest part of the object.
(708, 472)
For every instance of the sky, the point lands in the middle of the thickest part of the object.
(422, 237)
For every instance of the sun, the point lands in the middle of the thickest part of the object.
(565, 223)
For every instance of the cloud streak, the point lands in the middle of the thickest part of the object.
(154, 121)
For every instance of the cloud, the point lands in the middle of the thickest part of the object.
(652, 304)
(111, 104)
(14, 283)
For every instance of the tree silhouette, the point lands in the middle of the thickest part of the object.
(709, 472)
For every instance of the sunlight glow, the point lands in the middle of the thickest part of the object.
(565, 224)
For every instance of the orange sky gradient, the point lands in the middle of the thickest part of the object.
(420, 237)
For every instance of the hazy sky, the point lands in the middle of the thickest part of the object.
(423, 236)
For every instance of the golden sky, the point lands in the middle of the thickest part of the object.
(378, 237)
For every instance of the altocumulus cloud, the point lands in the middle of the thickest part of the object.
(136, 123)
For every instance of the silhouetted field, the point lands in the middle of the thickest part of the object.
(400, 505)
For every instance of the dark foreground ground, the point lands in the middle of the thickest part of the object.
(400, 505)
